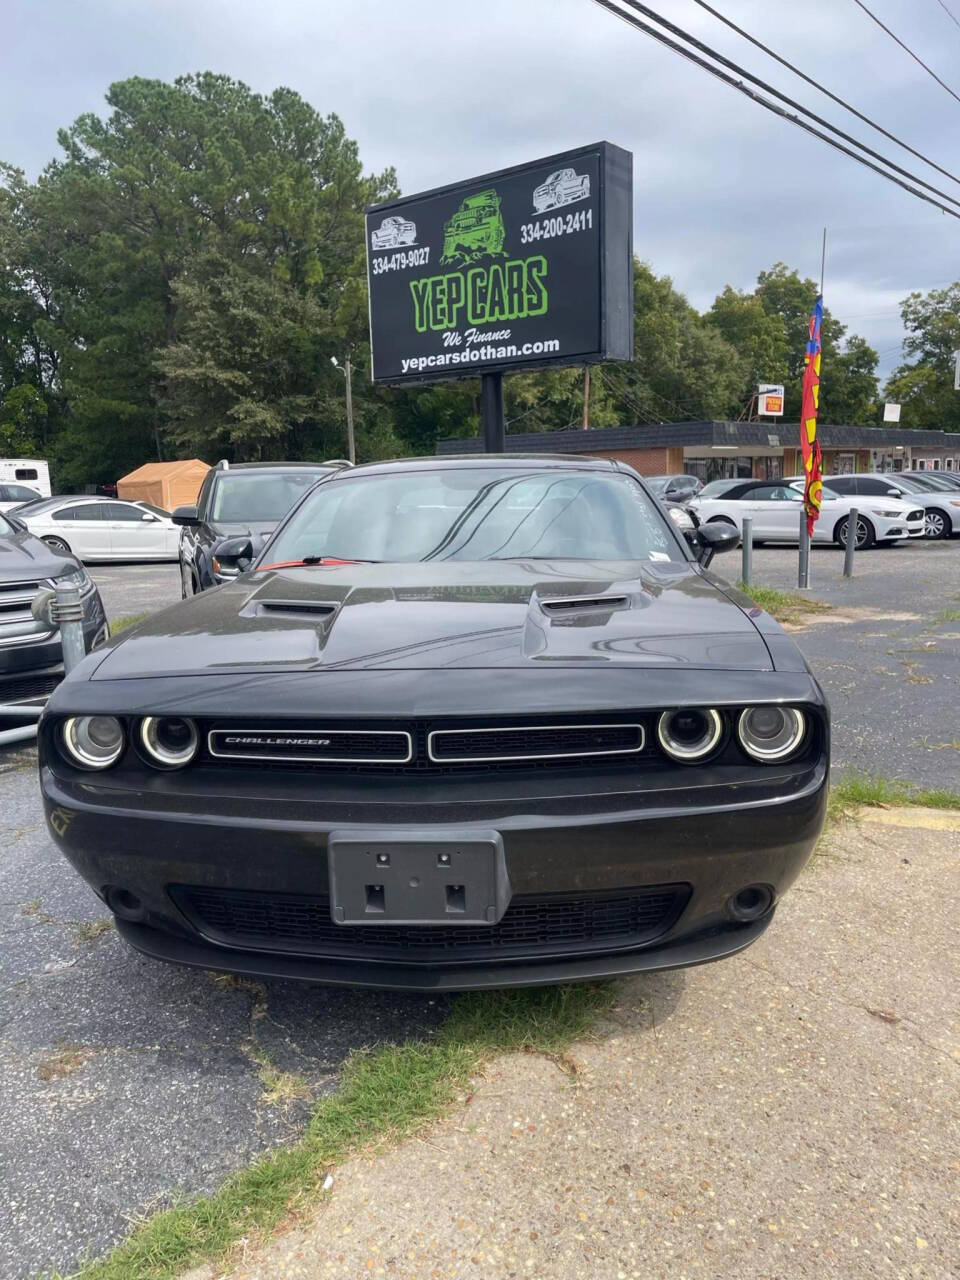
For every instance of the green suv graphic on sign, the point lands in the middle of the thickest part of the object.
(475, 231)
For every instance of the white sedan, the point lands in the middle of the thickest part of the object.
(775, 505)
(103, 528)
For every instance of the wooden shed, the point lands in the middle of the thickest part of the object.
(165, 484)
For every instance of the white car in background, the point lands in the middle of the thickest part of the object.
(103, 528)
(12, 495)
(774, 506)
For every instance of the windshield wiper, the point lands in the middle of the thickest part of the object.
(309, 561)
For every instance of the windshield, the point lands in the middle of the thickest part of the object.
(477, 514)
(905, 483)
(5, 526)
(241, 496)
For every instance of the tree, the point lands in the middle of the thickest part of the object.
(923, 384)
(204, 248)
(848, 383)
(683, 368)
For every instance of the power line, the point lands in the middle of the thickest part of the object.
(819, 87)
(769, 88)
(907, 49)
(770, 106)
(949, 12)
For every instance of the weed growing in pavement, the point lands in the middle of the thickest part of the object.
(785, 606)
(854, 791)
(385, 1094)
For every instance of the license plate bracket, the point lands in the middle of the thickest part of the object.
(450, 877)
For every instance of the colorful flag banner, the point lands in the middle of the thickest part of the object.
(810, 406)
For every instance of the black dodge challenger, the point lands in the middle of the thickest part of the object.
(463, 723)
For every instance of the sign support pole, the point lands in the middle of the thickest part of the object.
(491, 403)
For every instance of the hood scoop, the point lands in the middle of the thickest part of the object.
(289, 609)
(564, 606)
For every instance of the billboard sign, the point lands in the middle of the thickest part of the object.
(770, 400)
(520, 269)
(891, 412)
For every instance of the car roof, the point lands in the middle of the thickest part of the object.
(473, 462)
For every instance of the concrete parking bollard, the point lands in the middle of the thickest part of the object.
(803, 567)
(853, 520)
(66, 612)
(746, 550)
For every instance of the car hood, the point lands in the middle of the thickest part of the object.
(453, 615)
(24, 557)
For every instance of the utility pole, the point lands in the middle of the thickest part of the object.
(347, 373)
(586, 397)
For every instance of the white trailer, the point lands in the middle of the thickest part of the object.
(33, 473)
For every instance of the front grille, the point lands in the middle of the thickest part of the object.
(28, 688)
(17, 623)
(534, 742)
(530, 926)
(433, 746)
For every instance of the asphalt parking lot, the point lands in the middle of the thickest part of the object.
(99, 1047)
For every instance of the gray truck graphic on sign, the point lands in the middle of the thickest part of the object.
(394, 232)
(563, 187)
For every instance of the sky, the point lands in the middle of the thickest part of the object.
(446, 89)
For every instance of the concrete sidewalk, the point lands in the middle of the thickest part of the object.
(794, 1111)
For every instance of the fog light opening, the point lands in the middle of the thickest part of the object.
(124, 904)
(751, 902)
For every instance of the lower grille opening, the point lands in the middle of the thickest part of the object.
(531, 925)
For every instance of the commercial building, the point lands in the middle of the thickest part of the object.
(712, 450)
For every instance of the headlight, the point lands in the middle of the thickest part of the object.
(680, 518)
(169, 741)
(771, 733)
(93, 742)
(690, 733)
(78, 578)
(887, 515)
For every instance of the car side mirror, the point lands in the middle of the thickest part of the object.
(715, 538)
(147, 518)
(184, 515)
(894, 493)
(233, 555)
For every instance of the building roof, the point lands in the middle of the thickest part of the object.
(664, 435)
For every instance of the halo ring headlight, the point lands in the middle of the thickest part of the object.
(93, 742)
(771, 733)
(169, 742)
(690, 733)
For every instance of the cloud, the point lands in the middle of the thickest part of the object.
(444, 89)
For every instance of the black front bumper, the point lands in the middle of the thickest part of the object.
(265, 838)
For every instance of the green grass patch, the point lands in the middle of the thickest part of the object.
(948, 615)
(855, 791)
(385, 1094)
(785, 606)
(128, 620)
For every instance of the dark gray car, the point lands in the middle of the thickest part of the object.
(466, 722)
(31, 661)
(245, 499)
